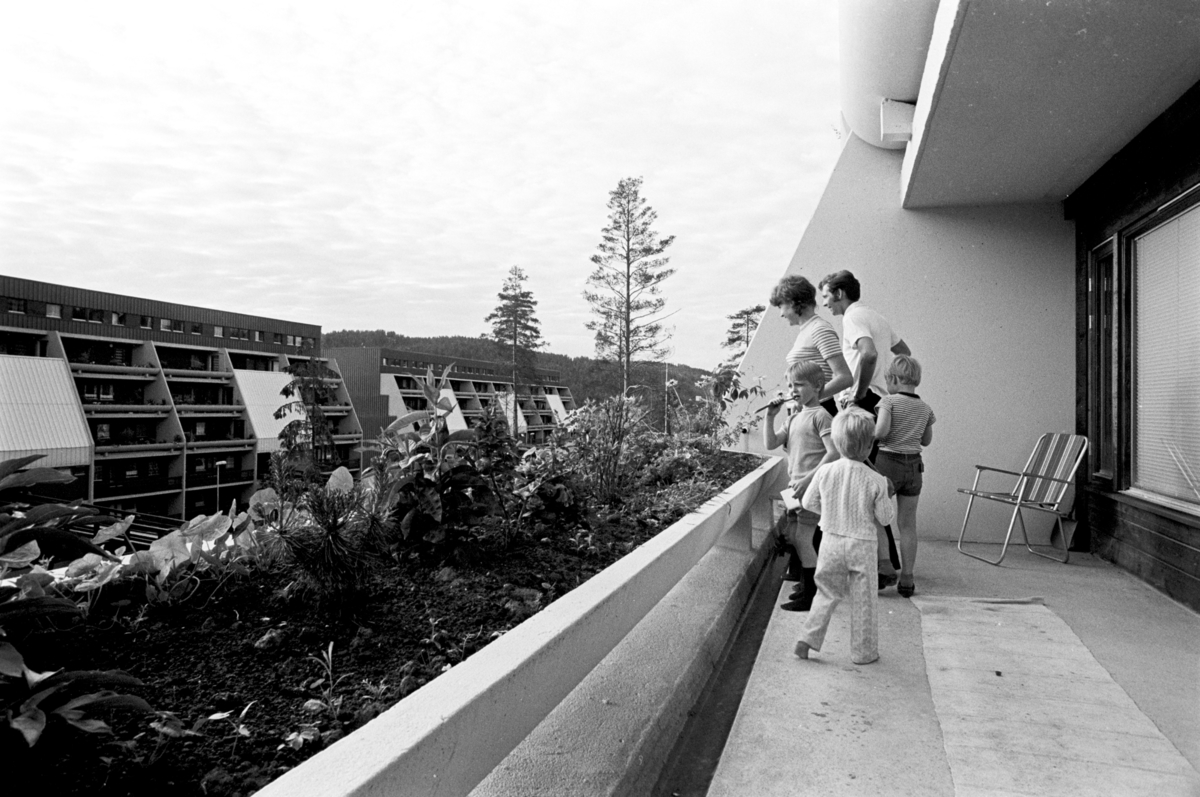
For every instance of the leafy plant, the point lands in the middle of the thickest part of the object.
(31, 699)
(428, 473)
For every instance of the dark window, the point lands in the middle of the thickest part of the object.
(197, 329)
(146, 322)
(177, 326)
(79, 314)
(95, 316)
(15, 305)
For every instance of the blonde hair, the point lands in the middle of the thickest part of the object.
(808, 372)
(853, 433)
(905, 369)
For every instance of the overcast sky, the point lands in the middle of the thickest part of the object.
(383, 165)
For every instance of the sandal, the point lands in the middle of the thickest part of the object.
(906, 590)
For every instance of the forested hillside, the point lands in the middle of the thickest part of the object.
(585, 376)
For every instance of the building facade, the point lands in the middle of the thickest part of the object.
(156, 408)
(383, 386)
(1017, 194)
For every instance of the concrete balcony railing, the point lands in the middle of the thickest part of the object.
(611, 655)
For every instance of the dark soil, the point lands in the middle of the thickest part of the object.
(252, 649)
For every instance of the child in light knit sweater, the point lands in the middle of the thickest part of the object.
(852, 500)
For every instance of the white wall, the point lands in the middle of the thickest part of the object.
(984, 297)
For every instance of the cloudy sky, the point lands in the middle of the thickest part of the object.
(383, 165)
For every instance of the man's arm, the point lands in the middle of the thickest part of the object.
(868, 357)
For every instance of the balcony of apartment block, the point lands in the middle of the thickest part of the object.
(204, 410)
(201, 375)
(116, 409)
(224, 476)
(337, 409)
(97, 370)
(137, 446)
(133, 488)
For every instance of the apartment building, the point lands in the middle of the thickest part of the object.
(156, 408)
(383, 386)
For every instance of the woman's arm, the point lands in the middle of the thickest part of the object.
(842, 378)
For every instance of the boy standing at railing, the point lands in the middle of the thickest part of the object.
(904, 426)
(806, 439)
(852, 500)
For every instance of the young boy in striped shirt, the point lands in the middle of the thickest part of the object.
(903, 427)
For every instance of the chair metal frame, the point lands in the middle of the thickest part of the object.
(1031, 485)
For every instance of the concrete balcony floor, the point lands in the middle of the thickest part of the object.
(1093, 689)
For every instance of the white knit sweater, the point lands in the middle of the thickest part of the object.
(850, 498)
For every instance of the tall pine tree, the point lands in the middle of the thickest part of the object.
(517, 331)
(738, 336)
(623, 289)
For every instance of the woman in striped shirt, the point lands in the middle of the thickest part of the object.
(816, 341)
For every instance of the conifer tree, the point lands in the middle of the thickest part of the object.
(738, 336)
(517, 330)
(624, 287)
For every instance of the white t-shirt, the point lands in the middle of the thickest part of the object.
(860, 321)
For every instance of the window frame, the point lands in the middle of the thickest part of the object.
(1124, 351)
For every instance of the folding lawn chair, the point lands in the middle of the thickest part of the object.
(1041, 486)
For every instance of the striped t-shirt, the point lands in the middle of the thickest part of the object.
(910, 417)
(816, 342)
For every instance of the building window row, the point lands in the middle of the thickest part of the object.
(398, 362)
(88, 315)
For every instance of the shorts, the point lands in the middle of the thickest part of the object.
(903, 469)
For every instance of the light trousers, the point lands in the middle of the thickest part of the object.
(846, 568)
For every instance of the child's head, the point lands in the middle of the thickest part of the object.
(853, 433)
(807, 374)
(905, 370)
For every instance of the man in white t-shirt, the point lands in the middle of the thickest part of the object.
(868, 344)
(868, 340)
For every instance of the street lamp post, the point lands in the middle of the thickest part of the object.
(220, 465)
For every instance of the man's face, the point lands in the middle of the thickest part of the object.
(835, 301)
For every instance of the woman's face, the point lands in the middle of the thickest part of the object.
(788, 311)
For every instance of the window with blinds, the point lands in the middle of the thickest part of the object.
(1166, 428)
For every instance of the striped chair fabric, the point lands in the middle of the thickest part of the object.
(1041, 486)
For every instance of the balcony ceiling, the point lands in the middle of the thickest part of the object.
(1023, 101)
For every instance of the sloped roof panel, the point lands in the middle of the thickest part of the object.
(40, 412)
(261, 392)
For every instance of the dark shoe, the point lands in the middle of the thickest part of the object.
(906, 590)
(886, 580)
(798, 605)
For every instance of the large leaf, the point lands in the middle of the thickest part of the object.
(107, 700)
(27, 609)
(35, 476)
(57, 542)
(114, 531)
(21, 557)
(30, 725)
(171, 551)
(340, 481)
(92, 679)
(9, 466)
(11, 662)
(206, 528)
